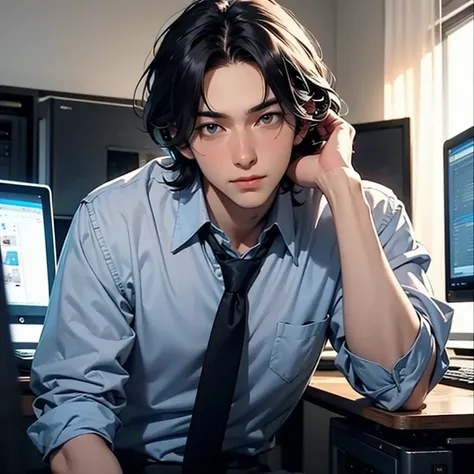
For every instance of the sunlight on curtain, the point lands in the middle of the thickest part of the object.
(413, 88)
(460, 79)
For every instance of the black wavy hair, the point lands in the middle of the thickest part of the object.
(213, 33)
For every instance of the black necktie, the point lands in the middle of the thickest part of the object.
(203, 452)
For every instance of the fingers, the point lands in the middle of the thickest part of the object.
(322, 132)
(333, 121)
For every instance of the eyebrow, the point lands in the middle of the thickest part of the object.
(217, 115)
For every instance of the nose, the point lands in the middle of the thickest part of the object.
(244, 155)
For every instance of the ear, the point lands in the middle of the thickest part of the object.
(184, 150)
(187, 152)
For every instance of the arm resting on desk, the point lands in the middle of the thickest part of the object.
(388, 330)
(78, 373)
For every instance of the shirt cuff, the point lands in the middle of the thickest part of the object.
(389, 389)
(69, 420)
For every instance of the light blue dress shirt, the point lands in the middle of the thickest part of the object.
(135, 297)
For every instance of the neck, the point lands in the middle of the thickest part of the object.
(242, 226)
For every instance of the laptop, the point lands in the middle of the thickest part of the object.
(29, 262)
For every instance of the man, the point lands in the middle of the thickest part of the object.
(125, 369)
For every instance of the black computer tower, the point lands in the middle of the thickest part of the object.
(18, 138)
(85, 143)
(12, 148)
(361, 448)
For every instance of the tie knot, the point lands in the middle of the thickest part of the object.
(238, 274)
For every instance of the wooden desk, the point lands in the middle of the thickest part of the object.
(445, 407)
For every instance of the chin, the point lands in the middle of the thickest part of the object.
(252, 200)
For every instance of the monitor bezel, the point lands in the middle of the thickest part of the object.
(464, 295)
(405, 125)
(45, 192)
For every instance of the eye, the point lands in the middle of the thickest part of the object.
(270, 118)
(209, 129)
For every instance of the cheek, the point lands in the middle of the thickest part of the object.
(206, 152)
(209, 157)
(276, 146)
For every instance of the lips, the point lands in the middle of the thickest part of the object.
(247, 179)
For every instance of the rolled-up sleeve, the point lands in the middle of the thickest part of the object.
(409, 261)
(77, 372)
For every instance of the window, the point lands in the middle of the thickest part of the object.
(458, 33)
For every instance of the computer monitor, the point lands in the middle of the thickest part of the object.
(459, 235)
(382, 153)
(29, 260)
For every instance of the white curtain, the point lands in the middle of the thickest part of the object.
(413, 88)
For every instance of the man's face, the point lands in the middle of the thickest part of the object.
(243, 143)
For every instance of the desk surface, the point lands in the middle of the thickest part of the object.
(446, 407)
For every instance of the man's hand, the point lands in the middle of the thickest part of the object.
(312, 170)
(86, 454)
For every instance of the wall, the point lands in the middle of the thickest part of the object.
(319, 16)
(101, 50)
(360, 58)
(84, 47)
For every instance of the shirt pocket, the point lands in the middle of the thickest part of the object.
(297, 347)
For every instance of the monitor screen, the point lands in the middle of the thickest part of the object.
(460, 218)
(23, 244)
(382, 154)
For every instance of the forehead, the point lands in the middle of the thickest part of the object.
(232, 89)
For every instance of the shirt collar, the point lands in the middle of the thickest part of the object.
(192, 214)
(282, 216)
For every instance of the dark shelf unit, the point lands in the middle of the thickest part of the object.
(20, 105)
